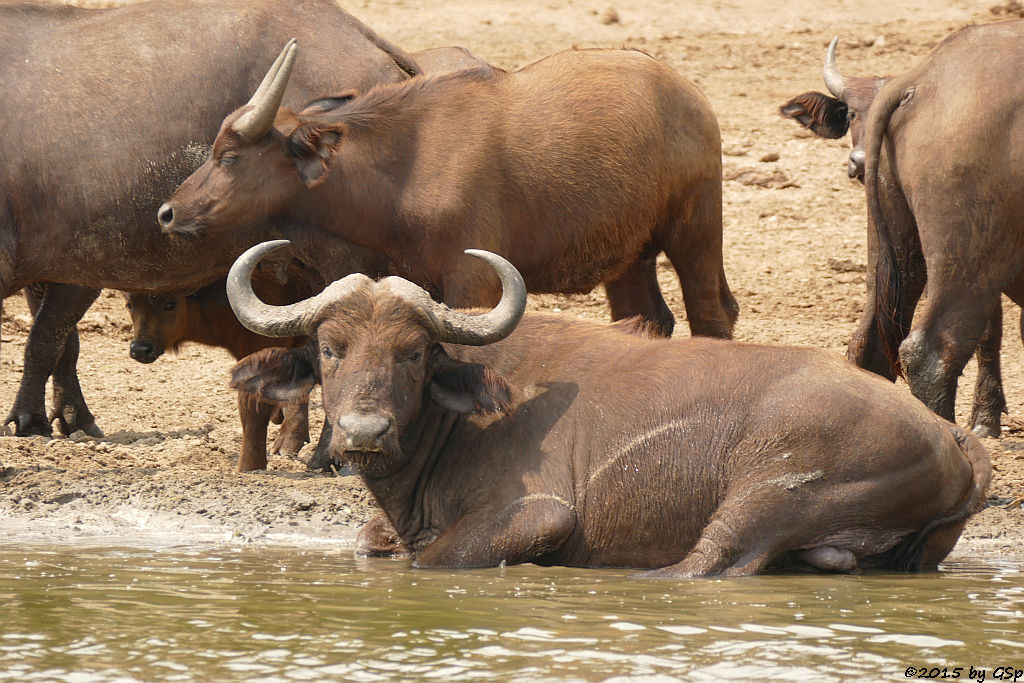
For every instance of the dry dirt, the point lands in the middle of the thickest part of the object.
(794, 244)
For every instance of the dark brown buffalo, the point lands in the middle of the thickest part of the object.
(575, 186)
(105, 112)
(880, 331)
(567, 442)
(163, 322)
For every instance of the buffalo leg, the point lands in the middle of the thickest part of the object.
(523, 531)
(294, 430)
(255, 416)
(941, 342)
(736, 548)
(321, 459)
(695, 249)
(865, 349)
(52, 349)
(989, 401)
(636, 292)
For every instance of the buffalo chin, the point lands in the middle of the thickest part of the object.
(373, 464)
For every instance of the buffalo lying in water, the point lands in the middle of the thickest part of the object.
(489, 440)
(105, 112)
(575, 186)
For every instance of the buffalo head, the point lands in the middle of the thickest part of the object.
(832, 117)
(157, 322)
(380, 357)
(262, 157)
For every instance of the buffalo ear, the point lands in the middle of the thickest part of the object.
(275, 374)
(468, 387)
(312, 147)
(329, 103)
(824, 115)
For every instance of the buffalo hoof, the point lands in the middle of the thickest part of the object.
(378, 538)
(27, 423)
(986, 430)
(318, 461)
(288, 445)
(322, 461)
(70, 420)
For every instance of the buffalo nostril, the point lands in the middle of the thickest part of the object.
(855, 169)
(142, 352)
(165, 216)
(364, 432)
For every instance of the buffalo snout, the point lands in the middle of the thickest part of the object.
(144, 352)
(363, 432)
(855, 169)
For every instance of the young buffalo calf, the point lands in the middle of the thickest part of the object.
(166, 321)
(555, 441)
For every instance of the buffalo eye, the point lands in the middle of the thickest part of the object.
(412, 357)
(129, 306)
(170, 306)
(229, 159)
(331, 354)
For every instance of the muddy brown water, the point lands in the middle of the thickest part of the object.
(188, 612)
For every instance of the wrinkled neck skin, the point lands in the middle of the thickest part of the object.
(417, 514)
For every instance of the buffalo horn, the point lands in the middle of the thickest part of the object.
(834, 81)
(255, 123)
(278, 321)
(473, 330)
(451, 326)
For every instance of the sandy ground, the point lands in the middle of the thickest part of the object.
(795, 249)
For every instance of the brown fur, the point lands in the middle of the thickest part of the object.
(575, 185)
(165, 322)
(886, 121)
(78, 206)
(698, 456)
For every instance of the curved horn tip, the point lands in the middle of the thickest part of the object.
(834, 80)
(481, 253)
(266, 247)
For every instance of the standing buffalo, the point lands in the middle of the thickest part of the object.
(105, 112)
(166, 321)
(580, 168)
(567, 442)
(949, 209)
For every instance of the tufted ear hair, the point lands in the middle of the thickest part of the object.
(467, 387)
(282, 375)
(824, 115)
(329, 103)
(312, 147)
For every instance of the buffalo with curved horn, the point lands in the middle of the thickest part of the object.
(89, 153)
(960, 74)
(559, 441)
(473, 157)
